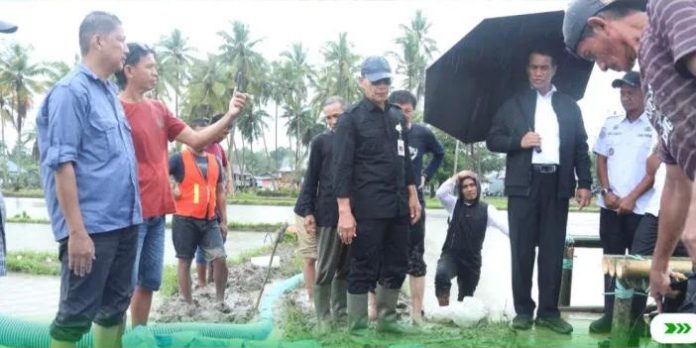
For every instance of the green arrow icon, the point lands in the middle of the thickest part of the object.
(677, 328)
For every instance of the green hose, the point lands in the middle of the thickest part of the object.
(21, 333)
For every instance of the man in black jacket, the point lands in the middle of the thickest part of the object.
(317, 204)
(542, 133)
(377, 197)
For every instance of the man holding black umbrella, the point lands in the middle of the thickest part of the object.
(4, 28)
(542, 132)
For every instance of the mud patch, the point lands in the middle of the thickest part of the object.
(244, 284)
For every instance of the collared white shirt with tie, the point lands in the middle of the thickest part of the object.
(546, 125)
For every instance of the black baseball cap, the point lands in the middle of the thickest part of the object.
(631, 78)
(375, 68)
(7, 27)
(579, 11)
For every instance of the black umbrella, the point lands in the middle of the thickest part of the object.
(466, 86)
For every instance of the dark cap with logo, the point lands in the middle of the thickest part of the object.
(375, 68)
(579, 11)
(7, 27)
(632, 79)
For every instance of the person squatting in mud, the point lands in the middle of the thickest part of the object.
(469, 218)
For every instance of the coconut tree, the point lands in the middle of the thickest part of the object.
(416, 51)
(176, 58)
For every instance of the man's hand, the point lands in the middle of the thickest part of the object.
(414, 208)
(465, 173)
(310, 224)
(223, 230)
(80, 253)
(611, 201)
(659, 285)
(626, 205)
(346, 227)
(530, 140)
(237, 103)
(583, 197)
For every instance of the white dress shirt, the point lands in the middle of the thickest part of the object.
(546, 125)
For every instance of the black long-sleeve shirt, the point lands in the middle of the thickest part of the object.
(368, 166)
(422, 141)
(317, 195)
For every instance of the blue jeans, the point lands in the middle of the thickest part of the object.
(147, 272)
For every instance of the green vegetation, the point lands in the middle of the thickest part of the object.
(33, 262)
(170, 285)
(252, 198)
(297, 327)
(24, 218)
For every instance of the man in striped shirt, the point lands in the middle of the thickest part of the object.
(616, 32)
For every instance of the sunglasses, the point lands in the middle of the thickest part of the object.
(332, 115)
(386, 81)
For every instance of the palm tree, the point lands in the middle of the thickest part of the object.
(299, 70)
(337, 77)
(417, 51)
(175, 59)
(24, 79)
(206, 93)
(299, 117)
(6, 113)
(56, 71)
(240, 55)
(277, 94)
(252, 125)
(238, 50)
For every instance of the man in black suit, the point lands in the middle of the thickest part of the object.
(542, 133)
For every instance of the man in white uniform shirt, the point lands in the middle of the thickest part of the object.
(623, 146)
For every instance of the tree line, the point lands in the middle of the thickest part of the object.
(287, 93)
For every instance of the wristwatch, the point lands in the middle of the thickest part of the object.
(604, 191)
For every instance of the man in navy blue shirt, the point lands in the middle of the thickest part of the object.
(421, 141)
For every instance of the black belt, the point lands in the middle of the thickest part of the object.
(545, 168)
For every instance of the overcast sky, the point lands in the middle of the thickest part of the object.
(51, 28)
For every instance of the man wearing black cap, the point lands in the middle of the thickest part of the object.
(4, 28)
(616, 32)
(622, 150)
(542, 133)
(377, 197)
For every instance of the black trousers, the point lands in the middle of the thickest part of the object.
(379, 253)
(538, 220)
(646, 237)
(464, 265)
(101, 296)
(416, 247)
(616, 234)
